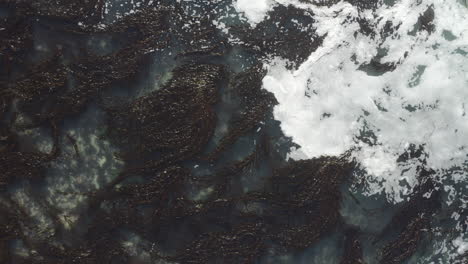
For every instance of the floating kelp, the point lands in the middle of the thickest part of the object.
(414, 217)
(198, 35)
(424, 202)
(158, 193)
(21, 165)
(176, 121)
(352, 249)
(223, 179)
(12, 222)
(38, 86)
(213, 214)
(245, 244)
(163, 23)
(16, 39)
(144, 24)
(8, 139)
(16, 164)
(280, 36)
(157, 189)
(255, 104)
(65, 89)
(4, 107)
(309, 189)
(106, 249)
(301, 202)
(361, 4)
(10, 228)
(406, 244)
(67, 10)
(219, 220)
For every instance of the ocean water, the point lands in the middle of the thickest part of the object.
(379, 93)
(388, 78)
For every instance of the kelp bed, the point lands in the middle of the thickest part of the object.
(159, 134)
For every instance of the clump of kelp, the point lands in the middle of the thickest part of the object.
(353, 248)
(278, 35)
(412, 221)
(174, 122)
(255, 106)
(162, 131)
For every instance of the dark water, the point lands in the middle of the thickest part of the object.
(59, 209)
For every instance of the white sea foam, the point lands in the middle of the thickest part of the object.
(328, 104)
(462, 245)
(254, 10)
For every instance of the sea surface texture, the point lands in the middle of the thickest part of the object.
(234, 131)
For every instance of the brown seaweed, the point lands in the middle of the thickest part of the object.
(20, 164)
(177, 120)
(352, 249)
(159, 133)
(309, 189)
(406, 244)
(12, 220)
(105, 249)
(278, 35)
(255, 105)
(53, 89)
(16, 39)
(245, 244)
(414, 218)
(67, 10)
